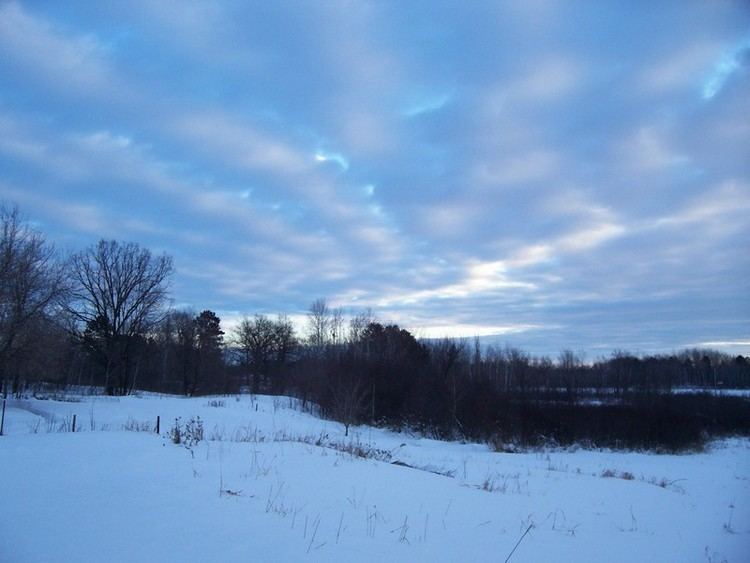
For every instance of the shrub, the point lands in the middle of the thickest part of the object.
(133, 425)
(175, 434)
(193, 432)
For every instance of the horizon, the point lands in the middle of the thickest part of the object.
(523, 173)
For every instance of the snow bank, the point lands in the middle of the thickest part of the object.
(115, 495)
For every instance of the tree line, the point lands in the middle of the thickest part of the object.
(100, 318)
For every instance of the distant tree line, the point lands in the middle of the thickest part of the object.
(101, 319)
(381, 374)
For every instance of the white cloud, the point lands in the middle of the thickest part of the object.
(86, 218)
(593, 234)
(647, 149)
(369, 76)
(590, 237)
(365, 131)
(104, 155)
(531, 255)
(485, 187)
(67, 62)
(241, 144)
(464, 330)
(105, 140)
(684, 68)
(531, 166)
(448, 219)
(547, 81)
(479, 278)
(427, 104)
(338, 158)
(575, 202)
(730, 198)
(208, 32)
(727, 346)
(727, 65)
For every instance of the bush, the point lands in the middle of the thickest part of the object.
(667, 423)
(175, 434)
(188, 435)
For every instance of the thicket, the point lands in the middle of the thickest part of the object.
(449, 390)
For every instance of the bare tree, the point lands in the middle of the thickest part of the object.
(358, 325)
(336, 326)
(450, 355)
(569, 363)
(119, 290)
(284, 347)
(256, 339)
(186, 350)
(31, 283)
(348, 394)
(319, 323)
(284, 337)
(165, 339)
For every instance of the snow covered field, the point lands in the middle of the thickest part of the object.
(260, 488)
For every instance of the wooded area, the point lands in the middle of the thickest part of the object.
(100, 319)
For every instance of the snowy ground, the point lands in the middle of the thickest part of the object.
(260, 489)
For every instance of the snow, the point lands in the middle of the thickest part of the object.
(106, 494)
(720, 391)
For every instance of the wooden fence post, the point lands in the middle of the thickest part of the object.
(74, 423)
(157, 423)
(2, 419)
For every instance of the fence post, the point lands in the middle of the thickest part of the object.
(2, 419)
(74, 423)
(157, 423)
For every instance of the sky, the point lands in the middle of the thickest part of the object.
(547, 175)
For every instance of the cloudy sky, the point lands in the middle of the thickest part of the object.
(560, 174)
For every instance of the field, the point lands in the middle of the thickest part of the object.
(271, 482)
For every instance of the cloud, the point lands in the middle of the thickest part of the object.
(71, 62)
(448, 219)
(285, 250)
(728, 64)
(364, 131)
(102, 154)
(241, 144)
(740, 347)
(335, 157)
(206, 32)
(590, 237)
(680, 69)
(86, 218)
(521, 168)
(548, 81)
(477, 169)
(716, 208)
(453, 330)
(647, 150)
(479, 278)
(427, 104)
